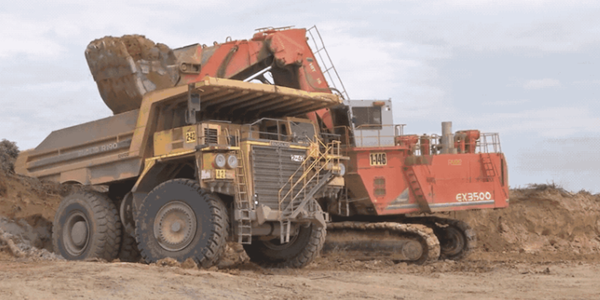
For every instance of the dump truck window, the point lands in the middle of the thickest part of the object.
(171, 117)
(303, 131)
(271, 133)
(367, 117)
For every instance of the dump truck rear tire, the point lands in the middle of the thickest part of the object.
(299, 252)
(129, 251)
(180, 220)
(87, 226)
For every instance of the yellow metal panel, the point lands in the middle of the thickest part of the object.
(230, 95)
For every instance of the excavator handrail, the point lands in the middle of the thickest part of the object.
(487, 142)
(333, 81)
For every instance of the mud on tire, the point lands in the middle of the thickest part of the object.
(180, 220)
(86, 226)
(299, 252)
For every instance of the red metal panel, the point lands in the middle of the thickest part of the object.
(448, 181)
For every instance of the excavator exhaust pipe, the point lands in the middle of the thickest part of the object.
(447, 139)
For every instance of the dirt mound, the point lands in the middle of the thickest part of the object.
(543, 222)
(26, 241)
(25, 197)
(27, 207)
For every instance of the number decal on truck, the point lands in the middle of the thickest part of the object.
(220, 174)
(378, 159)
(190, 136)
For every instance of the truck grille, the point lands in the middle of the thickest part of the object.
(210, 136)
(272, 167)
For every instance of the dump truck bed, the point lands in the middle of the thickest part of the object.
(114, 148)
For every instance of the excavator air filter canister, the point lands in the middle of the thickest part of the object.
(447, 138)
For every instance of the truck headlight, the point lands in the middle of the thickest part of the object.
(232, 161)
(220, 160)
(342, 169)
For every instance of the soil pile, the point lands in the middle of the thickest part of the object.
(25, 241)
(27, 207)
(542, 220)
(24, 197)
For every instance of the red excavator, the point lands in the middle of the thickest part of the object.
(394, 182)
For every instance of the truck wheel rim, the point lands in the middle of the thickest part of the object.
(76, 234)
(175, 226)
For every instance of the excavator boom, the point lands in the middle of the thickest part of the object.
(127, 68)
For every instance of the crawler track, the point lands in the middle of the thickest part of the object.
(414, 243)
(457, 239)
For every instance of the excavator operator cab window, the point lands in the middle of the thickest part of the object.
(367, 117)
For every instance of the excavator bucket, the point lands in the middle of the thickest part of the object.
(127, 68)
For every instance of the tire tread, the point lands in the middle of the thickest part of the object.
(218, 238)
(108, 225)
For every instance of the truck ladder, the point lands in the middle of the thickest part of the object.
(415, 186)
(243, 204)
(310, 185)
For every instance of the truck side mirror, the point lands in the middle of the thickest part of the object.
(193, 106)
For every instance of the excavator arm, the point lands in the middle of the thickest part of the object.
(127, 68)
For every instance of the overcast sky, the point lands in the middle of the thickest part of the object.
(526, 69)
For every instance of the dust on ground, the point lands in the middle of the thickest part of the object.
(545, 245)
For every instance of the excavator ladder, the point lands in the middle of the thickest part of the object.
(344, 203)
(324, 61)
(490, 143)
(415, 186)
(315, 173)
(488, 167)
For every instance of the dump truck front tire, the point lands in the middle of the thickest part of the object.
(180, 220)
(87, 226)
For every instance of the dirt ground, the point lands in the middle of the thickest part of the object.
(368, 280)
(546, 245)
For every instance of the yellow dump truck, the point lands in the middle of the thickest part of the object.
(193, 167)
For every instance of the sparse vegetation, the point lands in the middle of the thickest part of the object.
(8, 154)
